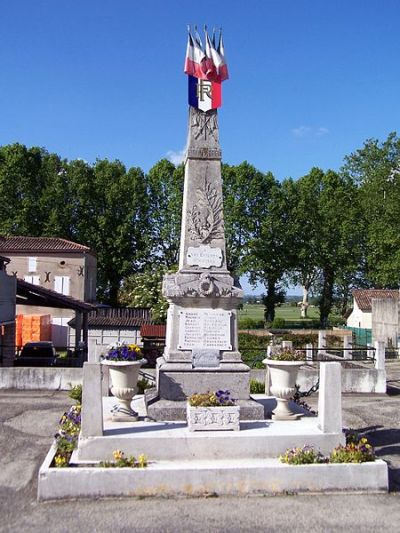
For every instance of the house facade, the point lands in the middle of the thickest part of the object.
(361, 315)
(57, 264)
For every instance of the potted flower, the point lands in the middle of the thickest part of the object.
(283, 366)
(212, 411)
(124, 361)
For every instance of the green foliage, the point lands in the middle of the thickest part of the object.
(250, 323)
(375, 169)
(253, 349)
(353, 452)
(143, 384)
(76, 394)
(165, 192)
(211, 399)
(278, 323)
(120, 461)
(257, 387)
(300, 340)
(286, 354)
(302, 456)
(145, 290)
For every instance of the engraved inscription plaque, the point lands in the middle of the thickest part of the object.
(205, 328)
(204, 256)
(205, 358)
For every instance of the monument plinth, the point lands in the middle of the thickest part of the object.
(201, 352)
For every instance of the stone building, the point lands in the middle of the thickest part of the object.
(65, 267)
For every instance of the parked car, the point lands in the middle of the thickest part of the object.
(37, 354)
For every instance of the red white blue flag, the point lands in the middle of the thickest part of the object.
(207, 69)
(204, 94)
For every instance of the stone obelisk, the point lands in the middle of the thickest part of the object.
(201, 352)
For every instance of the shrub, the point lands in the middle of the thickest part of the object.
(278, 323)
(253, 349)
(335, 320)
(300, 341)
(302, 456)
(257, 387)
(76, 393)
(143, 384)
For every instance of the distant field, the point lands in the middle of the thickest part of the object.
(286, 311)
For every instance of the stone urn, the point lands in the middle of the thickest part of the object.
(283, 375)
(124, 377)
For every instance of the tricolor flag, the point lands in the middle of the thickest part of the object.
(204, 94)
(195, 58)
(206, 63)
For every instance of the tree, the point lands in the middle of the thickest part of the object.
(376, 170)
(243, 193)
(335, 233)
(145, 290)
(22, 181)
(165, 191)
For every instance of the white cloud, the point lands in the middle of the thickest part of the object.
(301, 131)
(308, 131)
(176, 157)
(321, 131)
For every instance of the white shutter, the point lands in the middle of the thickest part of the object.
(58, 284)
(61, 284)
(65, 285)
(36, 280)
(32, 264)
(29, 279)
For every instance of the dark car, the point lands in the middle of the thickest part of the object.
(37, 354)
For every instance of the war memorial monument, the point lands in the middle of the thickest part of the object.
(201, 355)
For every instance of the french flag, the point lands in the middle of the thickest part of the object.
(204, 94)
(195, 59)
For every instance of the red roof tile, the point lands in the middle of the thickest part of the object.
(122, 317)
(151, 330)
(40, 245)
(364, 297)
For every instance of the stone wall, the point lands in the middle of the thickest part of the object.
(385, 320)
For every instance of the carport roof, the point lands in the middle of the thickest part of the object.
(29, 294)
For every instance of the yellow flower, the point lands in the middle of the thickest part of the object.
(60, 461)
(142, 460)
(118, 455)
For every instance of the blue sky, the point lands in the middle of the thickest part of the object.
(310, 80)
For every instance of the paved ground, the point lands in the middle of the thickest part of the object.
(28, 422)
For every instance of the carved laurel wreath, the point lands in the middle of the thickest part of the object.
(205, 217)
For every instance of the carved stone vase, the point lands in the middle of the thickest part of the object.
(124, 377)
(213, 418)
(283, 376)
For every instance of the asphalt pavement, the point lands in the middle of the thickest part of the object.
(29, 420)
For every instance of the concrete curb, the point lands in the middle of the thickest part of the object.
(199, 478)
(39, 378)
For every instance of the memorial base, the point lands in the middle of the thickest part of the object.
(177, 381)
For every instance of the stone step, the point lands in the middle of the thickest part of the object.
(201, 478)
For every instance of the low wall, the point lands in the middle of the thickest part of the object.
(33, 378)
(355, 379)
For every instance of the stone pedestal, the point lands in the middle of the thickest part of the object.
(201, 352)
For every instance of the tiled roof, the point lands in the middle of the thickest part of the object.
(152, 330)
(120, 317)
(48, 297)
(40, 245)
(364, 297)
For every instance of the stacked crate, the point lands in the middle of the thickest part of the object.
(32, 328)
